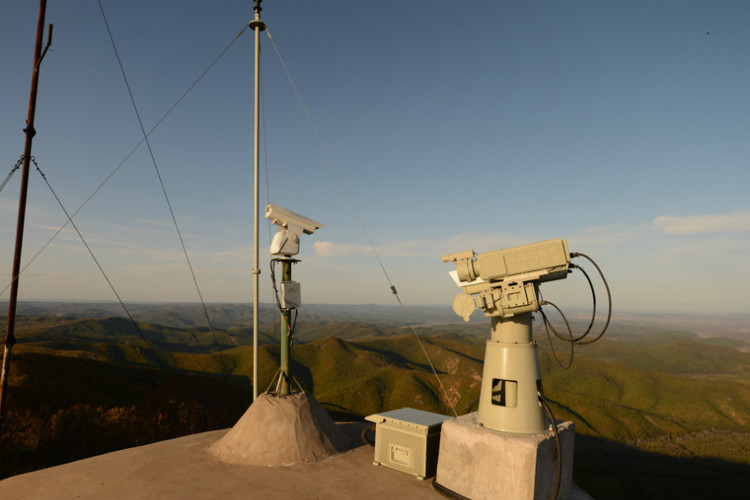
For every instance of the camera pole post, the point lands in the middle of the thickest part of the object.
(286, 332)
(285, 244)
(283, 427)
(277, 431)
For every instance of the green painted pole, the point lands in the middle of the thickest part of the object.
(257, 26)
(286, 341)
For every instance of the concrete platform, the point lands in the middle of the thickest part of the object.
(482, 464)
(183, 469)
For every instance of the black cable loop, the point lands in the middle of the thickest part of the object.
(609, 298)
(548, 326)
(558, 445)
(364, 437)
(593, 299)
(273, 282)
(293, 329)
(290, 328)
(446, 492)
(542, 302)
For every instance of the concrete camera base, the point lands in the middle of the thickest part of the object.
(480, 464)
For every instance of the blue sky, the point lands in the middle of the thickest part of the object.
(622, 126)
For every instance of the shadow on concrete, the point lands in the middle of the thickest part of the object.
(570, 410)
(339, 413)
(353, 431)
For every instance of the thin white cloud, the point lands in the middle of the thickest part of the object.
(163, 255)
(735, 222)
(482, 242)
(609, 235)
(156, 223)
(238, 255)
(331, 249)
(6, 205)
(171, 269)
(68, 240)
(423, 247)
(70, 234)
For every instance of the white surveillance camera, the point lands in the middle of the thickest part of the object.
(286, 218)
(544, 261)
(503, 282)
(291, 226)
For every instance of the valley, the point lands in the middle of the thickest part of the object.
(660, 411)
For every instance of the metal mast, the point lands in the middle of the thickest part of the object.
(285, 375)
(257, 26)
(10, 338)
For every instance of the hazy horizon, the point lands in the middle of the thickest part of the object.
(571, 310)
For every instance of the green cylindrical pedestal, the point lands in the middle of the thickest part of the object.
(511, 380)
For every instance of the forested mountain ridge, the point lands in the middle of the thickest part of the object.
(671, 398)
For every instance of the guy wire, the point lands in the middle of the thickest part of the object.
(158, 173)
(127, 156)
(12, 171)
(96, 261)
(359, 219)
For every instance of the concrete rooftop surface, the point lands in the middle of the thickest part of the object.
(183, 469)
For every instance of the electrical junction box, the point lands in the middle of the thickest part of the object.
(291, 295)
(408, 440)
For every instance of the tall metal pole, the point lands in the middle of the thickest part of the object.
(10, 338)
(257, 26)
(284, 353)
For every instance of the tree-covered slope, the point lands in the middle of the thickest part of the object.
(647, 404)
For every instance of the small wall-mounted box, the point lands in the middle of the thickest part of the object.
(291, 295)
(408, 440)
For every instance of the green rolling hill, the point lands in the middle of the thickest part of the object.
(651, 408)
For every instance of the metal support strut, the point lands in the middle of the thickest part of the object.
(30, 132)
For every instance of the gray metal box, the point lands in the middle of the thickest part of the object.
(408, 440)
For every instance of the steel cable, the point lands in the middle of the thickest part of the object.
(158, 174)
(101, 269)
(12, 171)
(359, 219)
(127, 156)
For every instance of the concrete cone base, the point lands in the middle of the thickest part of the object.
(278, 431)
